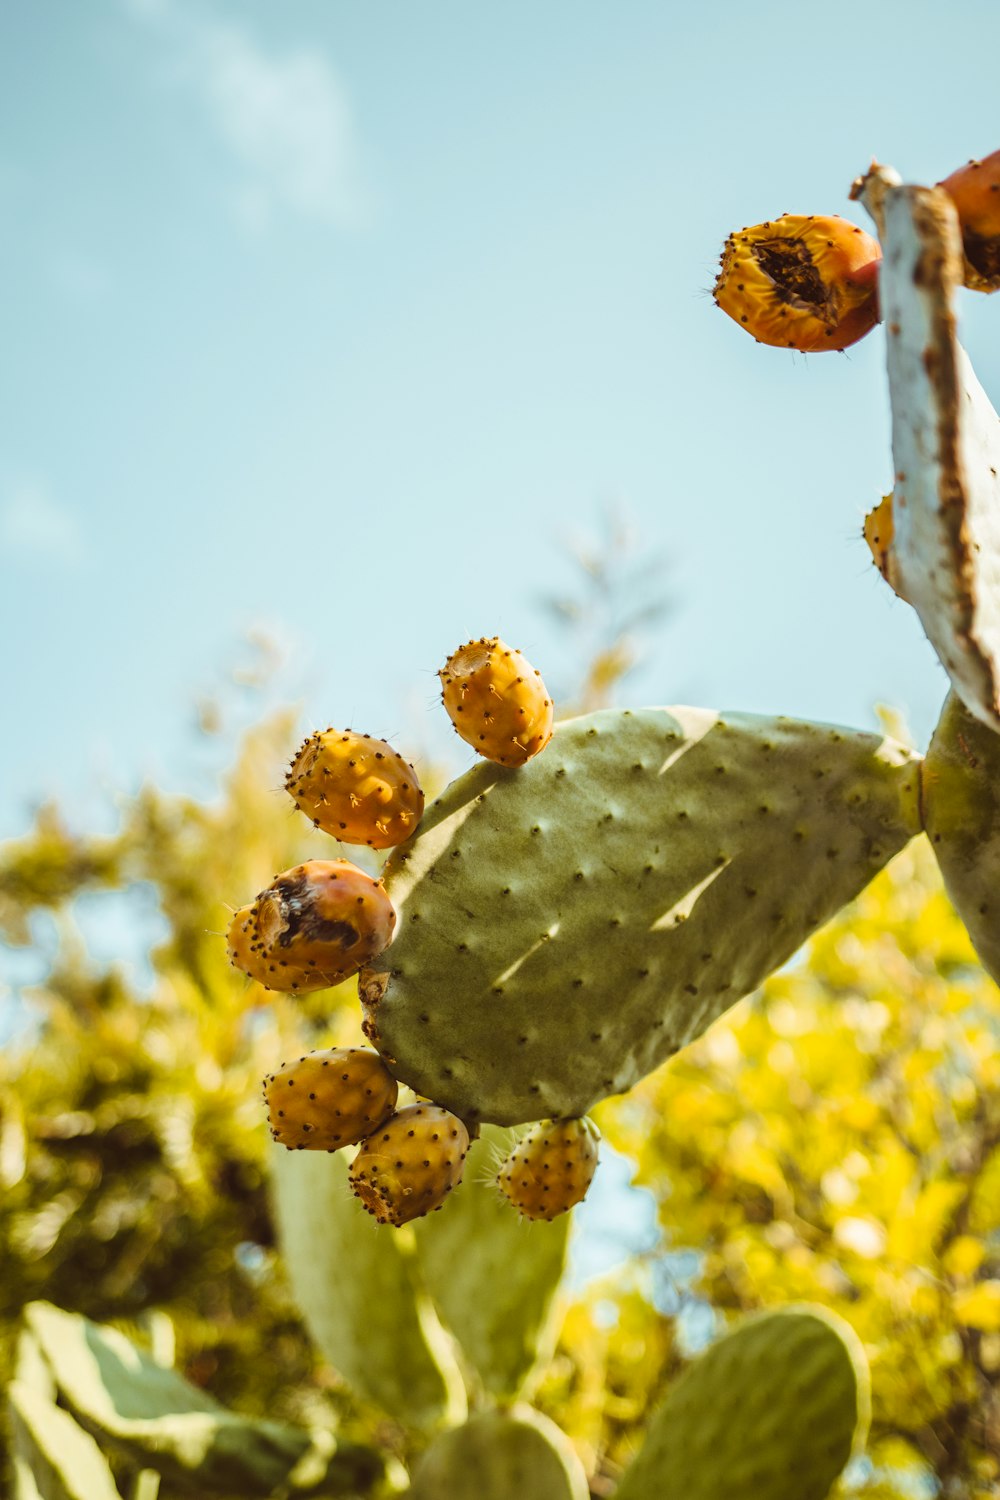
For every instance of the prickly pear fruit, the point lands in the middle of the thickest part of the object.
(355, 787)
(246, 953)
(315, 925)
(410, 1165)
(975, 191)
(550, 1168)
(497, 701)
(770, 1412)
(801, 282)
(878, 533)
(329, 1099)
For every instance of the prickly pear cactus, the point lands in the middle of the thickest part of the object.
(565, 927)
(961, 799)
(770, 1412)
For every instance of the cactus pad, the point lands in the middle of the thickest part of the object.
(360, 1295)
(515, 1455)
(494, 1277)
(770, 1412)
(566, 927)
(945, 442)
(961, 801)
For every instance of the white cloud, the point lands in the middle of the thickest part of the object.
(33, 525)
(286, 119)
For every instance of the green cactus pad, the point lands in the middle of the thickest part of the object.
(357, 1287)
(492, 1277)
(514, 1455)
(770, 1412)
(961, 801)
(945, 441)
(564, 928)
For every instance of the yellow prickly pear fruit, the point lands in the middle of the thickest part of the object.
(246, 953)
(356, 787)
(550, 1168)
(329, 1099)
(409, 1166)
(806, 282)
(497, 701)
(879, 531)
(314, 926)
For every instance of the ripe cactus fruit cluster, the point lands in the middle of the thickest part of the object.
(806, 282)
(497, 701)
(314, 926)
(550, 1169)
(329, 1099)
(357, 788)
(408, 1167)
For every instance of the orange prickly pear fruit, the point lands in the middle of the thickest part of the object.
(314, 926)
(355, 787)
(407, 1167)
(878, 533)
(329, 1099)
(801, 282)
(497, 701)
(975, 191)
(550, 1168)
(246, 953)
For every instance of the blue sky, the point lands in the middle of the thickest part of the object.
(338, 319)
